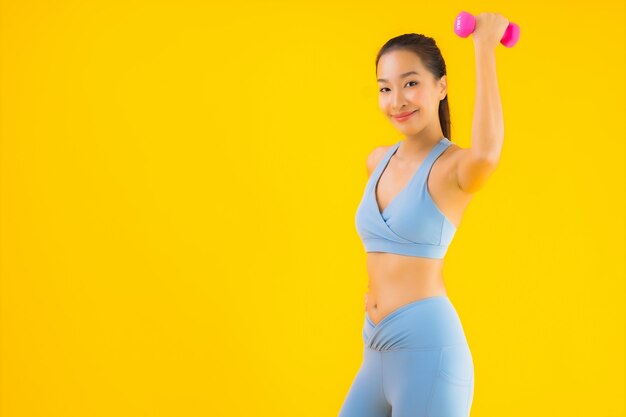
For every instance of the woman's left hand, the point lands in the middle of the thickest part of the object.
(490, 28)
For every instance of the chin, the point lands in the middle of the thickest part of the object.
(410, 129)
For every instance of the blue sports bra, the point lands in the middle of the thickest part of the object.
(411, 224)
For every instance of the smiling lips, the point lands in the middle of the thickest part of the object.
(405, 115)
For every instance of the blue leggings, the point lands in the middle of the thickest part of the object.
(416, 363)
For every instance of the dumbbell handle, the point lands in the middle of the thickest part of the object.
(465, 23)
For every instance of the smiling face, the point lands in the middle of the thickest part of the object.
(405, 85)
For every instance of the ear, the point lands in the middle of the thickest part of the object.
(443, 85)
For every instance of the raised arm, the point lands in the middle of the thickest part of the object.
(477, 163)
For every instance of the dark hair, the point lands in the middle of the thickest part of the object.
(426, 49)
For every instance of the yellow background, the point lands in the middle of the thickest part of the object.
(179, 185)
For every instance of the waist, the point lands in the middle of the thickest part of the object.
(383, 266)
(395, 280)
(380, 304)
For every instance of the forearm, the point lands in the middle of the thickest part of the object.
(488, 123)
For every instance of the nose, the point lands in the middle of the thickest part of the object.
(398, 101)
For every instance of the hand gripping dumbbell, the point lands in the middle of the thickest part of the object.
(465, 23)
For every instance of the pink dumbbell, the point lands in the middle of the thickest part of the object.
(465, 23)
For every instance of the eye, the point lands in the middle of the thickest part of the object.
(385, 88)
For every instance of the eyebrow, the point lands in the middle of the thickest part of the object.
(406, 74)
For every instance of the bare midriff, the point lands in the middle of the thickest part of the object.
(396, 280)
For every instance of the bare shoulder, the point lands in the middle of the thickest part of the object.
(452, 154)
(375, 156)
(470, 171)
(449, 161)
(457, 171)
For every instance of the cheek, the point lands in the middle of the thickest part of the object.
(417, 95)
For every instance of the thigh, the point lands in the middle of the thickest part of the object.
(409, 377)
(365, 397)
(430, 382)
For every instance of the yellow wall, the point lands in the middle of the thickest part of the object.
(179, 181)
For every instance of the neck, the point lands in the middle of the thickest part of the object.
(414, 146)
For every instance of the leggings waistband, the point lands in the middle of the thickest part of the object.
(429, 323)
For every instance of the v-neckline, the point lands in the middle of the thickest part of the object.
(406, 186)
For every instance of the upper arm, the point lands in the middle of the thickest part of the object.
(473, 170)
(373, 159)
